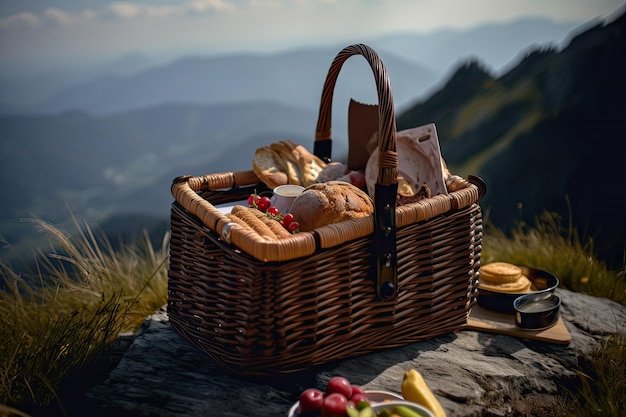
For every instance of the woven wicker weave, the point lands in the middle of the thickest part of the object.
(406, 274)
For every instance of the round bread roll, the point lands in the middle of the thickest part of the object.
(330, 202)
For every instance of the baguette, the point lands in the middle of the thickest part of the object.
(237, 220)
(283, 149)
(310, 165)
(246, 214)
(276, 227)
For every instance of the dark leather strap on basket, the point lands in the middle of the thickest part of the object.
(323, 149)
(384, 241)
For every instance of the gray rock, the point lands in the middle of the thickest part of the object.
(471, 373)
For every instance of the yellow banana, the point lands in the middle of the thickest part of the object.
(414, 389)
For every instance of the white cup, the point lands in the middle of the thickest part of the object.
(284, 196)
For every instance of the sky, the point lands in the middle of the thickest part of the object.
(36, 33)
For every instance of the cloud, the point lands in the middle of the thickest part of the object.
(128, 10)
(19, 20)
(208, 5)
(123, 10)
(58, 16)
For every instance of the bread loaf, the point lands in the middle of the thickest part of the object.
(268, 165)
(286, 162)
(284, 150)
(330, 202)
(310, 165)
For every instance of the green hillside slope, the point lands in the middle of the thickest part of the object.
(549, 135)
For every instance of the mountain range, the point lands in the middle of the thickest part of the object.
(544, 133)
(294, 77)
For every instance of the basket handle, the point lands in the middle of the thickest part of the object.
(384, 242)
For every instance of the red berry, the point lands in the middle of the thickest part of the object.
(293, 227)
(252, 199)
(263, 203)
(273, 211)
(287, 219)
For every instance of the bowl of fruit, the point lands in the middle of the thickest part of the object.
(343, 399)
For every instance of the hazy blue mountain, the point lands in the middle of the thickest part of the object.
(293, 78)
(25, 89)
(130, 63)
(299, 75)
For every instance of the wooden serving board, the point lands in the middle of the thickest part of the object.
(484, 320)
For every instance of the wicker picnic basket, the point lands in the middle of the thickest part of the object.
(404, 274)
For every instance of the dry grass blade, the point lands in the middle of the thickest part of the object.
(82, 295)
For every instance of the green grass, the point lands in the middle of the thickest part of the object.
(71, 309)
(83, 295)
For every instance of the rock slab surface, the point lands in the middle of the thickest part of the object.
(471, 373)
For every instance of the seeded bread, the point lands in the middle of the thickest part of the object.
(331, 202)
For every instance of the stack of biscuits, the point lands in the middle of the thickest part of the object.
(504, 277)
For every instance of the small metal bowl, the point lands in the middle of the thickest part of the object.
(537, 311)
(502, 302)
